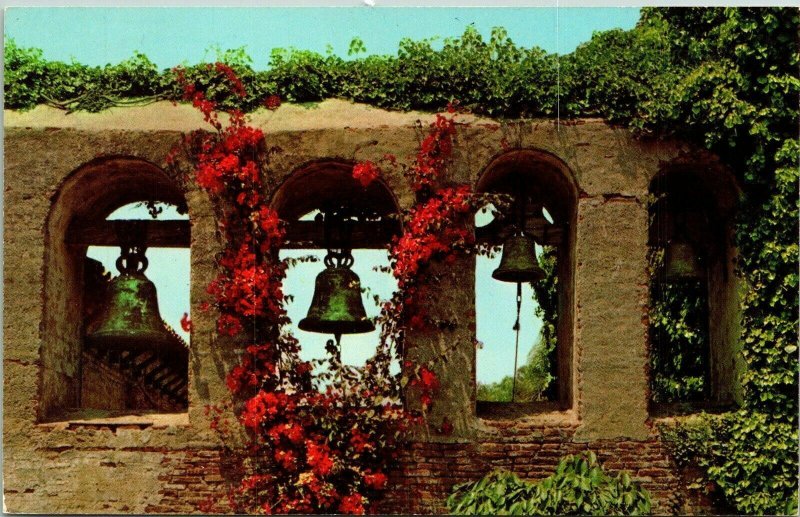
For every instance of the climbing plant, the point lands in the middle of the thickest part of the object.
(679, 352)
(723, 78)
(315, 441)
(736, 94)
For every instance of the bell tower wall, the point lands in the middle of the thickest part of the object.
(63, 169)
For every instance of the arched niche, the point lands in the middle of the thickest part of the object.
(322, 183)
(696, 203)
(303, 201)
(547, 177)
(313, 184)
(551, 185)
(87, 196)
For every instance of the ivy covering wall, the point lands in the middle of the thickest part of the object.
(726, 79)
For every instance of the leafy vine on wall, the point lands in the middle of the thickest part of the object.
(316, 442)
(724, 78)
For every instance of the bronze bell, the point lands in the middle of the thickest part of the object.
(336, 307)
(518, 262)
(681, 262)
(130, 319)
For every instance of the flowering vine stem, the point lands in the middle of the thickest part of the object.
(316, 442)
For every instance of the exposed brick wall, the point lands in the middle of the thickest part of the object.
(105, 387)
(191, 479)
(185, 481)
(428, 471)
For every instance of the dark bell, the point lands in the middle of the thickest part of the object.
(681, 262)
(336, 307)
(518, 263)
(130, 319)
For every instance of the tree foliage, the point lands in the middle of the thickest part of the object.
(679, 341)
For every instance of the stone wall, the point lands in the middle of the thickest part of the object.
(57, 462)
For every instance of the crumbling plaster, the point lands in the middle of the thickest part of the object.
(45, 462)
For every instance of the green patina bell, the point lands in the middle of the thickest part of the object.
(681, 262)
(336, 307)
(518, 262)
(130, 319)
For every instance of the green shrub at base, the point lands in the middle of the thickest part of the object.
(730, 449)
(578, 487)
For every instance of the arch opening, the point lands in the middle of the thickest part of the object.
(693, 331)
(543, 203)
(77, 377)
(305, 200)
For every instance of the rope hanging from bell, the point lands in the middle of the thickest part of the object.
(518, 264)
(516, 345)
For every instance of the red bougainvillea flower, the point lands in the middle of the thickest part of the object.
(248, 172)
(323, 450)
(242, 375)
(271, 225)
(432, 232)
(261, 408)
(359, 440)
(246, 288)
(434, 153)
(229, 325)
(352, 504)
(272, 102)
(428, 383)
(428, 379)
(186, 322)
(447, 427)
(291, 431)
(376, 481)
(286, 459)
(365, 172)
(255, 481)
(236, 83)
(318, 458)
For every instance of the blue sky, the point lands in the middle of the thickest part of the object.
(169, 36)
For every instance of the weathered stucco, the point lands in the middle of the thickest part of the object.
(143, 464)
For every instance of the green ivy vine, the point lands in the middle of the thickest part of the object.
(724, 78)
(738, 96)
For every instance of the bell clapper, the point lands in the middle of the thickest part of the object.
(338, 338)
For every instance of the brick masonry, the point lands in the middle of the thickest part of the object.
(430, 470)
(59, 167)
